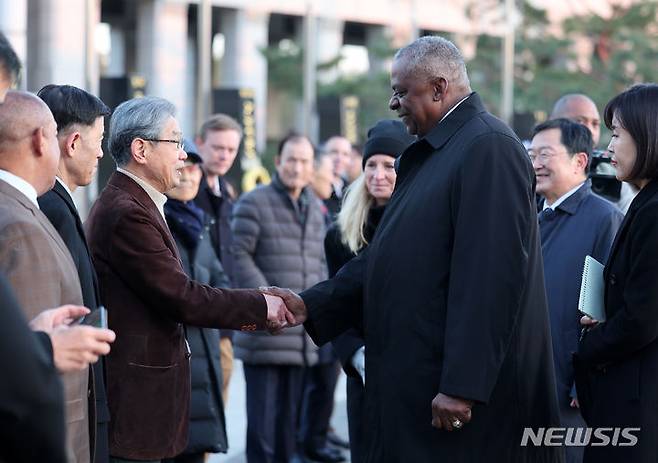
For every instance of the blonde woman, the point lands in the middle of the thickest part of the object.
(363, 206)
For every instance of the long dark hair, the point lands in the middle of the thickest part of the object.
(637, 112)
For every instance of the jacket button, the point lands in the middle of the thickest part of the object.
(613, 279)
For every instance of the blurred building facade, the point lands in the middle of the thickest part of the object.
(123, 48)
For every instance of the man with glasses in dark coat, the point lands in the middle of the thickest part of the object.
(573, 223)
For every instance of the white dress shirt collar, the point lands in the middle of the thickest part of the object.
(562, 198)
(217, 191)
(21, 185)
(158, 198)
(454, 107)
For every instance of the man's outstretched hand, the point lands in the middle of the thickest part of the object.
(277, 318)
(295, 313)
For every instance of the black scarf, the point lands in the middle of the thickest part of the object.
(185, 221)
(374, 216)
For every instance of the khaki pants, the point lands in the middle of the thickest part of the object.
(226, 359)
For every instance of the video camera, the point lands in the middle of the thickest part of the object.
(602, 174)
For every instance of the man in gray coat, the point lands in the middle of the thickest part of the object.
(278, 233)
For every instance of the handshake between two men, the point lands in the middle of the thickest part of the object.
(284, 308)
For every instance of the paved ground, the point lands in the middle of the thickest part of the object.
(236, 420)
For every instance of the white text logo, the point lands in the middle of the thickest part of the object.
(580, 437)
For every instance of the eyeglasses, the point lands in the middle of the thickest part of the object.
(179, 143)
(543, 155)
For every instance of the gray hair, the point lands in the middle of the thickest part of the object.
(136, 118)
(433, 56)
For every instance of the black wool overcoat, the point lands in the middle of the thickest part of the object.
(617, 362)
(451, 297)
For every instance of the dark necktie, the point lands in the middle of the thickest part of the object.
(546, 214)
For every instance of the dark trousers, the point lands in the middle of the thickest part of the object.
(100, 433)
(355, 423)
(102, 449)
(319, 386)
(273, 394)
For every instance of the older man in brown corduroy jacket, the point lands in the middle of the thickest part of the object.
(148, 295)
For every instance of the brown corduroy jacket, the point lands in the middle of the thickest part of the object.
(149, 298)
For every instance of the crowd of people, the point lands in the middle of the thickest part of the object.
(439, 267)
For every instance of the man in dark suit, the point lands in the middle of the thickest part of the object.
(450, 292)
(80, 126)
(574, 223)
(146, 291)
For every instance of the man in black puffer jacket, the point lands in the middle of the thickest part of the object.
(278, 234)
(190, 228)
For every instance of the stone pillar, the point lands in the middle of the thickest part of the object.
(58, 41)
(243, 64)
(376, 36)
(403, 26)
(162, 50)
(328, 44)
(92, 61)
(13, 23)
(62, 51)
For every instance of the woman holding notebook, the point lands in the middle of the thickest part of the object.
(617, 360)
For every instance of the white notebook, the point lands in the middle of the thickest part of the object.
(591, 301)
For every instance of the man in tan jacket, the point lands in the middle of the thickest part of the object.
(32, 255)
